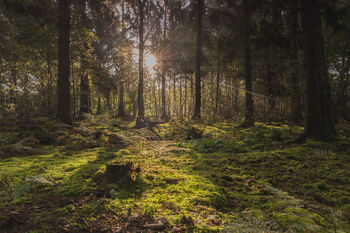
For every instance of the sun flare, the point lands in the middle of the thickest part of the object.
(150, 61)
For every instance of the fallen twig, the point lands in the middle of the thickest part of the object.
(81, 217)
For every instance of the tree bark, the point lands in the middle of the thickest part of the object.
(217, 96)
(99, 107)
(140, 102)
(197, 105)
(121, 106)
(163, 114)
(248, 121)
(319, 118)
(296, 93)
(181, 99)
(84, 77)
(185, 103)
(63, 83)
(175, 112)
(269, 86)
(341, 104)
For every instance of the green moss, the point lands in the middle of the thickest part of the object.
(252, 179)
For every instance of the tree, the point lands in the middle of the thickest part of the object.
(248, 121)
(197, 105)
(84, 76)
(140, 102)
(296, 93)
(163, 114)
(319, 118)
(63, 83)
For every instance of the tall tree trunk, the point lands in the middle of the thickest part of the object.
(181, 99)
(50, 105)
(296, 93)
(14, 92)
(269, 85)
(236, 92)
(134, 107)
(185, 103)
(63, 84)
(319, 118)
(217, 96)
(73, 88)
(191, 110)
(140, 102)
(154, 93)
(197, 105)
(169, 101)
(84, 77)
(163, 108)
(174, 97)
(341, 108)
(121, 106)
(109, 102)
(163, 114)
(248, 121)
(99, 107)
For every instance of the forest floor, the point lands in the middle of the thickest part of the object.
(52, 179)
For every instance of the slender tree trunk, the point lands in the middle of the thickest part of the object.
(49, 99)
(134, 107)
(269, 86)
(14, 92)
(185, 103)
(109, 103)
(99, 107)
(121, 107)
(197, 106)
(2, 101)
(191, 110)
(296, 93)
(84, 91)
(341, 108)
(181, 99)
(63, 83)
(217, 97)
(140, 102)
(84, 77)
(319, 118)
(163, 115)
(156, 110)
(236, 91)
(163, 108)
(74, 88)
(174, 97)
(169, 100)
(248, 121)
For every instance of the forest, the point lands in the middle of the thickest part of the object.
(174, 116)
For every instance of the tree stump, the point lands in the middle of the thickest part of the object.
(194, 133)
(119, 171)
(140, 123)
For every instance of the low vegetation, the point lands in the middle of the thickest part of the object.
(228, 180)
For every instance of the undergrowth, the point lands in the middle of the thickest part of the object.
(230, 180)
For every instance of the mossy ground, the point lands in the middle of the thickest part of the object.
(231, 180)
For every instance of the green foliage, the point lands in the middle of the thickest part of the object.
(204, 145)
(291, 189)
